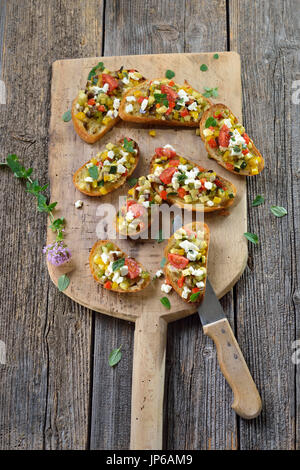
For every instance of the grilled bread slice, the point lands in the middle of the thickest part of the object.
(115, 270)
(227, 142)
(188, 185)
(109, 169)
(186, 266)
(163, 102)
(95, 110)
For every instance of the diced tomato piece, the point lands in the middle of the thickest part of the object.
(171, 83)
(167, 282)
(112, 82)
(195, 290)
(181, 192)
(133, 268)
(218, 116)
(224, 136)
(163, 195)
(166, 176)
(172, 104)
(178, 261)
(169, 110)
(180, 282)
(246, 138)
(99, 164)
(201, 168)
(101, 108)
(130, 202)
(212, 143)
(219, 183)
(141, 99)
(184, 112)
(171, 94)
(245, 151)
(229, 166)
(91, 102)
(165, 152)
(107, 285)
(174, 162)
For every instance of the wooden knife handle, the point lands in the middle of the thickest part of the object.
(247, 402)
(150, 339)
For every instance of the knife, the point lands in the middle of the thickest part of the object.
(247, 402)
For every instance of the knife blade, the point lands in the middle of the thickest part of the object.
(247, 402)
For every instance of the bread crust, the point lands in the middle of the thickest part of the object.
(112, 186)
(194, 226)
(213, 153)
(116, 248)
(152, 121)
(194, 207)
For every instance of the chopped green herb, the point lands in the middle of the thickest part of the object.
(63, 282)
(94, 172)
(166, 302)
(258, 201)
(119, 263)
(159, 97)
(99, 66)
(100, 183)
(278, 211)
(203, 68)
(128, 145)
(216, 56)
(115, 357)
(132, 182)
(67, 116)
(211, 92)
(113, 170)
(210, 122)
(194, 296)
(252, 237)
(170, 74)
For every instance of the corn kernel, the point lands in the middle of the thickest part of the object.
(98, 260)
(106, 120)
(137, 93)
(106, 178)
(152, 133)
(132, 160)
(81, 116)
(131, 192)
(194, 115)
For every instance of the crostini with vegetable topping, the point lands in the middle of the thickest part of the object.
(96, 108)
(115, 270)
(188, 185)
(227, 142)
(164, 102)
(186, 266)
(109, 169)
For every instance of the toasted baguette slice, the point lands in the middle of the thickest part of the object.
(108, 274)
(215, 133)
(220, 196)
(160, 99)
(107, 182)
(180, 272)
(95, 109)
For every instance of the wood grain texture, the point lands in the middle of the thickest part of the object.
(44, 391)
(268, 294)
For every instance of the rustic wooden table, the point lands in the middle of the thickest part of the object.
(56, 389)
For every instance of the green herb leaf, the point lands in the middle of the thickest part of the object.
(252, 237)
(118, 264)
(18, 170)
(67, 116)
(99, 66)
(159, 97)
(100, 183)
(211, 92)
(115, 357)
(94, 172)
(113, 170)
(128, 146)
(63, 282)
(216, 56)
(58, 224)
(163, 262)
(34, 187)
(160, 238)
(210, 122)
(170, 74)
(278, 211)
(166, 302)
(194, 296)
(258, 201)
(203, 68)
(132, 182)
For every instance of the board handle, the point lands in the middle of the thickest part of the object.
(149, 357)
(247, 402)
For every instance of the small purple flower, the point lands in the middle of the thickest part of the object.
(57, 253)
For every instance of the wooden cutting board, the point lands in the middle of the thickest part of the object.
(228, 247)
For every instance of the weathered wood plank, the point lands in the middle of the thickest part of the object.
(266, 34)
(45, 386)
(197, 410)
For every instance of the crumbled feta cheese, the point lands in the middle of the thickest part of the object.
(236, 139)
(179, 234)
(130, 98)
(208, 185)
(78, 204)
(145, 203)
(159, 273)
(185, 292)
(207, 132)
(124, 154)
(200, 284)
(153, 178)
(166, 288)
(125, 80)
(111, 154)
(168, 146)
(129, 108)
(106, 163)
(122, 160)
(193, 106)
(116, 104)
(88, 179)
(192, 255)
(96, 89)
(144, 104)
(133, 76)
(158, 170)
(105, 258)
(161, 187)
(186, 245)
(182, 167)
(227, 123)
(117, 278)
(183, 95)
(110, 113)
(124, 270)
(129, 216)
(89, 165)
(197, 184)
(116, 113)
(121, 169)
(210, 203)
